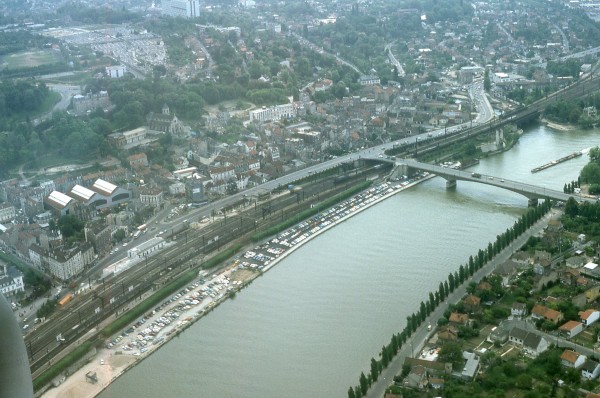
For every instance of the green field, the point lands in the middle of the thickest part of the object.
(30, 59)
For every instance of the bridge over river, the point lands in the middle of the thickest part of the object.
(532, 192)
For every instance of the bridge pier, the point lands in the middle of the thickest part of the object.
(450, 183)
(533, 202)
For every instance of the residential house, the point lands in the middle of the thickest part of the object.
(590, 369)
(572, 359)
(531, 343)
(471, 366)
(417, 378)
(575, 262)
(498, 335)
(547, 314)
(448, 333)
(589, 316)
(518, 310)
(507, 270)
(571, 329)
(471, 303)
(459, 319)
(433, 367)
(569, 276)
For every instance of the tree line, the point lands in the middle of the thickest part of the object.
(435, 298)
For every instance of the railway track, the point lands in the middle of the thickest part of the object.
(191, 248)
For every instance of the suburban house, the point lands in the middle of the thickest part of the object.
(571, 329)
(518, 310)
(507, 270)
(572, 359)
(531, 343)
(547, 314)
(589, 316)
(472, 302)
(458, 318)
(590, 369)
(417, 378)
(471, 366)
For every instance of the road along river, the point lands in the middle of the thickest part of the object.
(309, 326)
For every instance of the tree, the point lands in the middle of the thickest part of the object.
(351, 393)
(364, 385)
(119, 235)
(451, 282)
(487, 85)
(571, 207)
(374, 369)
(451, 352)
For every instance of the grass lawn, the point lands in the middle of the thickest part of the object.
(74, 78)
(30, 59)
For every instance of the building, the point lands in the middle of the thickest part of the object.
(541, 312)
(152, 196)
(116, 72)
(590, 369)
(109, 194)
(572, 359)
(129, 139)
(7, 212)
(147, 248)
(99, 235)
(368, 80)
(571, 329)
(181, 8)
(518, 310)
(164, 122)
(471, 366)
(90, 102)
(276, 112)
(589, 316)
(63, 264)
(531, 343)
(11, 281)
(177, 188)
(138, 160)
(59, 203)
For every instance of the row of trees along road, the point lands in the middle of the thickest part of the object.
(456, 279)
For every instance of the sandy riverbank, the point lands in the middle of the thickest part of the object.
(110, 363)
(558, 126)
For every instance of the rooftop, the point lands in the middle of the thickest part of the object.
(81, 193)
(58, 199)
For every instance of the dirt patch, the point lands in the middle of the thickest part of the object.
(242, 275)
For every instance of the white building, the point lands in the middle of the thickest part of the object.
(116, 71)
(276, 112)
(152, 196)
(146, 248)
(11, 281)
(589, 316)
(7, 212)
(181, 8)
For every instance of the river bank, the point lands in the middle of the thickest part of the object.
(558, 126)
(180, 311)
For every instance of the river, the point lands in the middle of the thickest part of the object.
(309, 326)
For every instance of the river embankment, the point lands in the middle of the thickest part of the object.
(130, 348)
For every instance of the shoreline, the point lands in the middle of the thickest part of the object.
(109, 363)
(558, 126)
